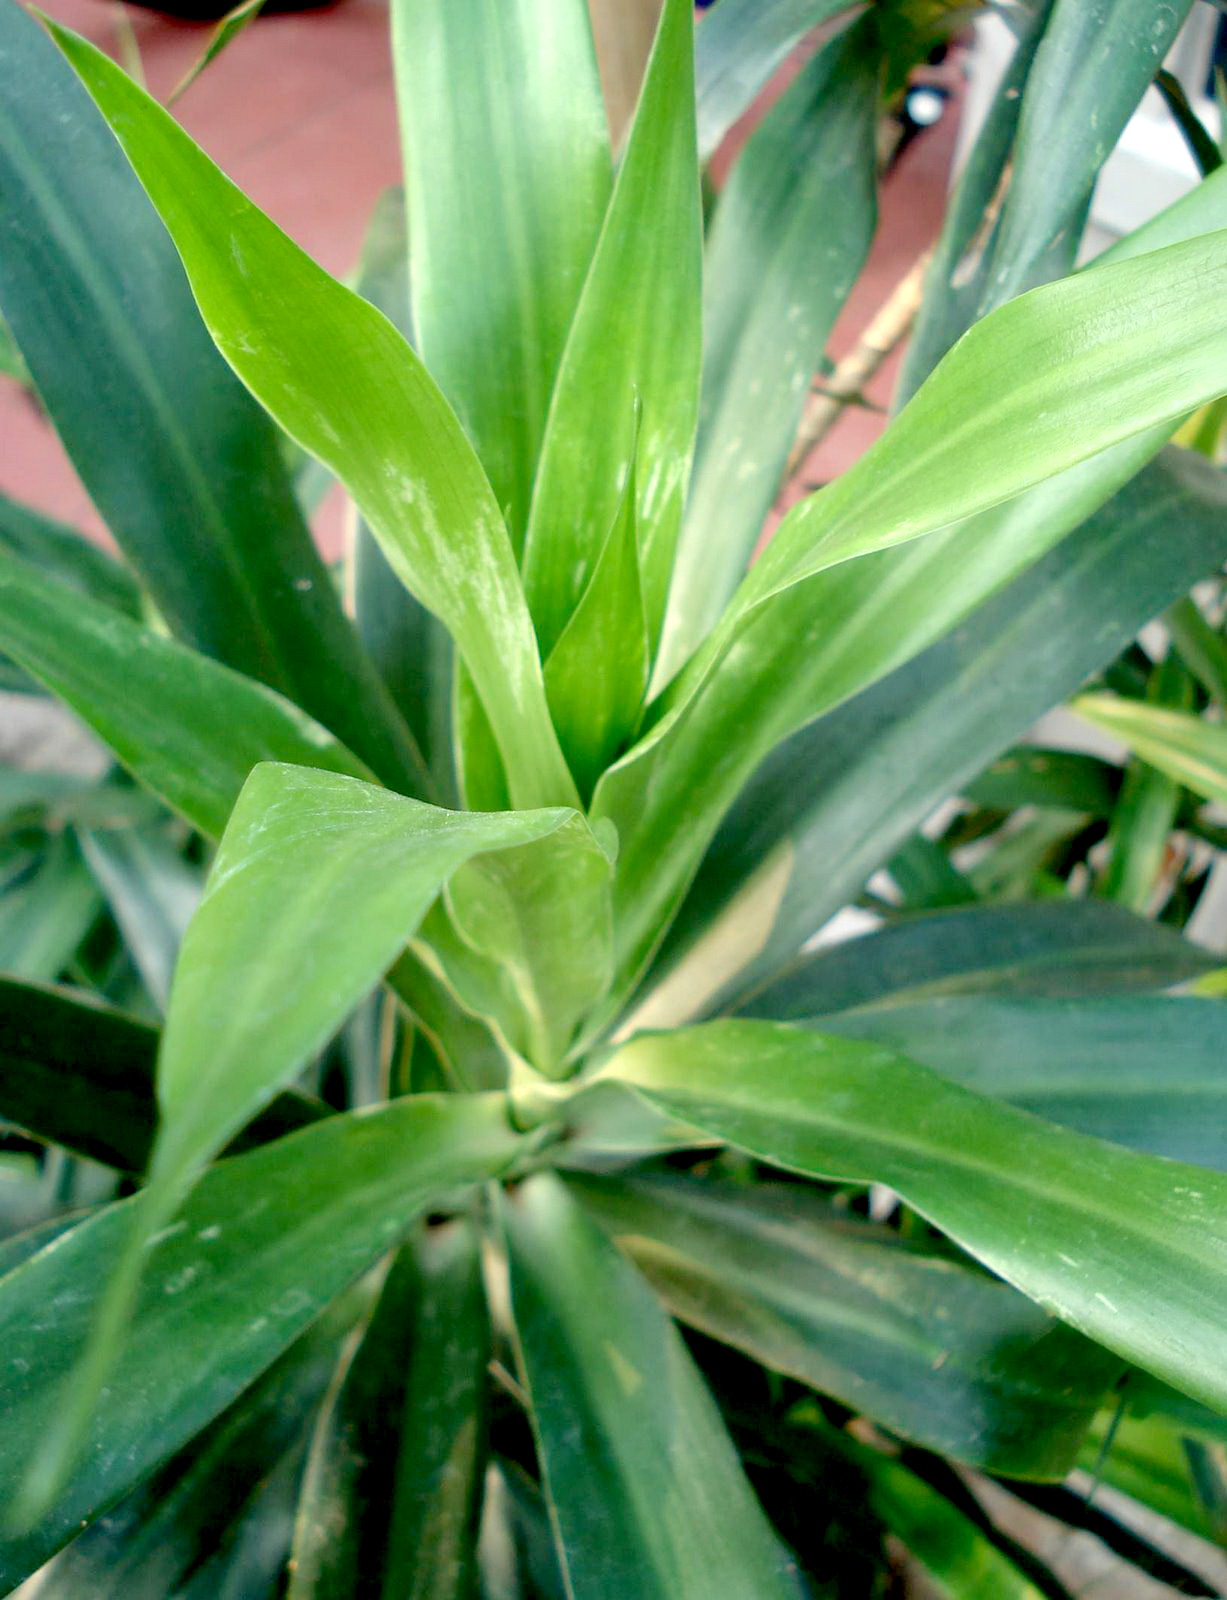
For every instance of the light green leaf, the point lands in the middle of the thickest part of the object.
(738, 46)
(173, 453)
(790, 234)
(152, 892)
(647, 1495)
(80, 1074)
(1139, 836)
(1188, 748)
(187, 727)
(850, 789)
(540, 914)
(1129, 1249)
(1142, 1071)
(264, 1244)
(1148, 1459)
(597, 673)
(393, 1480)
(635, 340)
(225, 33)
(508, 175)
(1055, 949)
(318, 884)
(346, 386)
(410, 647)
(1102, 356)
(929, 1347)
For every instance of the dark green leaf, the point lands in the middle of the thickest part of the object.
(1054, 948)
(1144, 1072)
(1129, 1249)
(186, 726)
(647, 1494)
(64, 554)
(929, 1347)
(508, 176)
(263, 1244)
(393, 1484)
(80, 1074)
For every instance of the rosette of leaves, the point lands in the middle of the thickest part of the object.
(573, 1288)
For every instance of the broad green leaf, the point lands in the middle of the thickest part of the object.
(930, 1348)
(46, 914)
(790, 234)
(187, 727)
(152, 892)
(541, 913)
(647, 1495)
(737, 48)
(318, 878)
(80, 1074)
(346, 386)
(1139, 836)
(835, 802)
(1129, 1249)
(319, 883)
(392, 1489)
(1189, 749)
(263, 1245)
(1143, 1072)
(64, 554)
(1105, 355)
(410, 647)
(153, 1542)
(597, 674)
(508, 176)
(1054, 949)
(175, 456)
(628, 381)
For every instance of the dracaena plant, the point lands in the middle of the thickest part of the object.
(568, 796)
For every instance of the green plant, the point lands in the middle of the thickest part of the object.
(420, 1338)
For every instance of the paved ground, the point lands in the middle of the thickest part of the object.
(300, 112)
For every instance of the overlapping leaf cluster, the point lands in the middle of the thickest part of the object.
(499, 1001)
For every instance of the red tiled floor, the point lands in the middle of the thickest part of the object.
(300, 112)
